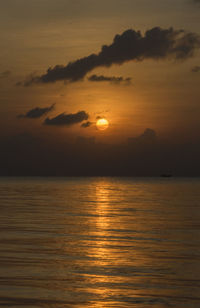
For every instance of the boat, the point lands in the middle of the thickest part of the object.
(166, 175)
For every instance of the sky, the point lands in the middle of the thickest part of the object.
(66, 63)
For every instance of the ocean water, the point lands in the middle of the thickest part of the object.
(100, 242)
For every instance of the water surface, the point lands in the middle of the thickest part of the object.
(100, 242)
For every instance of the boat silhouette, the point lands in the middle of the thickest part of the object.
(166, 175)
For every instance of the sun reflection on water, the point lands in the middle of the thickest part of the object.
(102, 252)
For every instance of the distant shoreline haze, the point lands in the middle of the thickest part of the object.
(144, 155)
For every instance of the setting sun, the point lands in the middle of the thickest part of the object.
(102, 124)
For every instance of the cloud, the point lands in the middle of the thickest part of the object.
(131, 45)
(5, 74)
(100, 117)
(36, 112)
(113, 79)
(67, 119)
(149, 134)
(28, 81)
(147, 137)
(196, 69)
(86, 124)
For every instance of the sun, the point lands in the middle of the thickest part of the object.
(102, 124)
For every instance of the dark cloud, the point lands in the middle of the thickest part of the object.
(149, 134)
(196, 69)
(36, 112)
(131, 45)
(148, 137)
(67, 119)
(100, 117)
(113, 79)
(86, 124)
(5, 74)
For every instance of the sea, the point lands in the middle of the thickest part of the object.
(99, 242)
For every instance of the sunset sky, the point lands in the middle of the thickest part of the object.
(140, 80)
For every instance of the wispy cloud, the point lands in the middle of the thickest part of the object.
(196, 69)
(5, 74)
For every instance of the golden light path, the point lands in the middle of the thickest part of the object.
(102, 124)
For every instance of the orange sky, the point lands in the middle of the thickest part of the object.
(163, 95)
